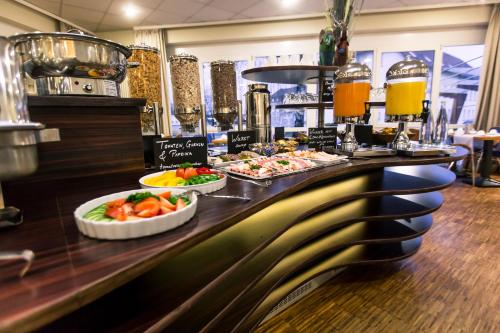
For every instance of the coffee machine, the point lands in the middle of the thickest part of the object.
(258, 101)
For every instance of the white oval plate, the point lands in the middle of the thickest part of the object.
(134, 228)
(203, 188)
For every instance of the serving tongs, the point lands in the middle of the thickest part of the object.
(265, 183)
(27, 255)
(218, 196)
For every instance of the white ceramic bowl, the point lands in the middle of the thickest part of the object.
(203, 188)
(134, 228)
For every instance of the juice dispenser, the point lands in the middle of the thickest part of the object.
(406, 87)
(352, 91)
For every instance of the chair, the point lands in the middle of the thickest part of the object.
(496, 150)
(473, 164)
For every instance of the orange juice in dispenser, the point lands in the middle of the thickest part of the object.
(352, 90)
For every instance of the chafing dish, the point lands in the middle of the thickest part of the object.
(63, 63)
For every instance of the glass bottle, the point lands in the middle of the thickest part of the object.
(441, 132)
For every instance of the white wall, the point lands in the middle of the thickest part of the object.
(396, 21)
(379, 43)
(422, 29)
(124, 37)
(447, 27)
(17, 18)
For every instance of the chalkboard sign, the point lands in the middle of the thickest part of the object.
(323, 137)
(364, 134)
(327, 91)
(170, 153)
(238, 141)
(279, 133)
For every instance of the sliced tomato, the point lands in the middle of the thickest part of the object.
(128, 208)
(167, 204)
(190, 172)
(164, 210)
(113, 212)
(165, 195)
(204, 171)
(180, 204)
(147, 213)
(147, 208)
(179, 172)
(116, 203)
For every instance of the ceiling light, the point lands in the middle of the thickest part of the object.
(130, 10)
(288, 3)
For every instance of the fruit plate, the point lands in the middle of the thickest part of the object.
(134, 228)
(202, 188)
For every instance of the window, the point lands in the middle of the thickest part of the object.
(390, 58)
(284, 117)
(365, 57)
(460, 81)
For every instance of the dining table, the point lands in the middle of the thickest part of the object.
(488, 139)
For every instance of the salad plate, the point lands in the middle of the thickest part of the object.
(186, 178)
(133, 214)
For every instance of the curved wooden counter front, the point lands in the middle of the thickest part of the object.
(231, 264)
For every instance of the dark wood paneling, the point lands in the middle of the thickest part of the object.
(99, 135)
(78, 101)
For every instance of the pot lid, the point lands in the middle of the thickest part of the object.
(144, 47)
(407, 68)
(222, 62)
(182, 56)
(19, 38)
(11, 126)
(257, 86)
(352, 71)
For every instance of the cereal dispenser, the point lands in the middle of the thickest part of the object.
(226, 106)
(144, 81)
(185, 75)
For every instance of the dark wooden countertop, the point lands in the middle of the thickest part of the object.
(72, 270)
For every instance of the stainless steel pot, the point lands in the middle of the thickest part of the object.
(18, 153)
(71, 54)
(18, 135)
(258, 102)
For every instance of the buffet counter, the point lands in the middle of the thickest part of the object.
(227, 267)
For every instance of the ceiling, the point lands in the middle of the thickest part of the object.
(107, 15)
